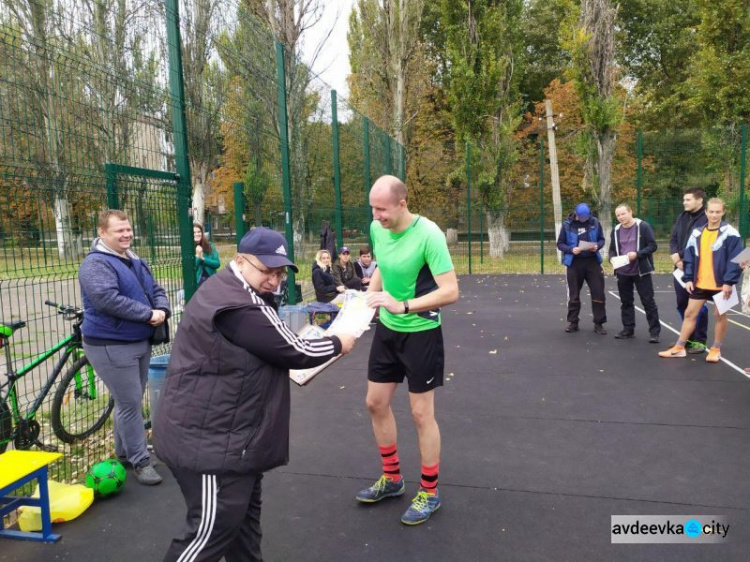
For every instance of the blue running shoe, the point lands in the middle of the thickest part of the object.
(383, 488)
(422, 506)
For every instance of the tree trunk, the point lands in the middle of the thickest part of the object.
(606, 151)
(200, 173)
(498, 234)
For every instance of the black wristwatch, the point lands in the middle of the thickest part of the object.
(406, 307)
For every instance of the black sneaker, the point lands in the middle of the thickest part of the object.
(145, 474)
(654, 339)
(599, 329)
(695, 348)
(572, 327)
(624, 335)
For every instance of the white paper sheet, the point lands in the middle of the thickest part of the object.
(678, 273)
(620, 261)
(744, 255)
(354, 318)
(584, 245)
(722, 304)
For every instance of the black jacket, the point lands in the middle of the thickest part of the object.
(682, 228)
(324, 284)
(224, 408)
(646, 246)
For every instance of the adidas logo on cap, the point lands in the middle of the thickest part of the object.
(281, 250)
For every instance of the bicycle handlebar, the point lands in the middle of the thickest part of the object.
(68, 311)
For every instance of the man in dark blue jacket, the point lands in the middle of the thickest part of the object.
(123, 304)
(583, 263)
(694, 216)
(635, 239)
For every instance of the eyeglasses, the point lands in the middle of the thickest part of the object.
(279, 273)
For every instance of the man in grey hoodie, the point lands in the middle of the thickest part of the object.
(123, 304)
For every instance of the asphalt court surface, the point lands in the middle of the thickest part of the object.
(546, 435)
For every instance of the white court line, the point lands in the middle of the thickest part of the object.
(668, 327)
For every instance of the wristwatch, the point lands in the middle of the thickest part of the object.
(406, 307)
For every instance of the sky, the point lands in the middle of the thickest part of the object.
(333, 62)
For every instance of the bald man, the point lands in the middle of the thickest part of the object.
(414, 278)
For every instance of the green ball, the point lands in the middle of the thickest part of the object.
(106, 478)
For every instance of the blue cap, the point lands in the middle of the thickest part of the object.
(268, 246)
(344, 250)
(582, 211)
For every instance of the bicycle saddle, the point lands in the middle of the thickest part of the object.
(7, 328)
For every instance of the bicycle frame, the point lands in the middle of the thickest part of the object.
(72, 346)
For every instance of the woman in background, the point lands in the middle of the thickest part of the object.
(206, 255)
(322, 277)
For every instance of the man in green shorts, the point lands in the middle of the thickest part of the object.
(414, 278)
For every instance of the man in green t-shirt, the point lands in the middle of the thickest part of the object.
(414, 278)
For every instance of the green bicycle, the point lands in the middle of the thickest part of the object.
(81, 403)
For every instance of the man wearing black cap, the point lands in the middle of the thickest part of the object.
(583, 264)
(223, 417)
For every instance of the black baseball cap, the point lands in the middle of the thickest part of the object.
(268, 246)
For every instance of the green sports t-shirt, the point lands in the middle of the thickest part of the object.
(408, 263)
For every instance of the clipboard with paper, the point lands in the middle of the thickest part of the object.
(354, 318)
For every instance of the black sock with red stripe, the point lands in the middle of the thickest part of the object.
(429, 478)
(391, 466)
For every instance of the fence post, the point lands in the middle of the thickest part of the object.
(368, 180)
(639, 177)
(239, 210)
(481, 233)
(743, 170)
(388, 155)
(113, 201)
(336, 169)
(403, 162)
(468, 200)
(541, 202)
(179, 126)
(285, 169)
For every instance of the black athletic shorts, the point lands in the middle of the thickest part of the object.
(703, 294)
(418, 356)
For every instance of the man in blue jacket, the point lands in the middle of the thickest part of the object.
(123, 304)
(583, 264)
(709, 271)
(635, 238)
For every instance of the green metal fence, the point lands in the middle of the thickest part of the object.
(172, 111)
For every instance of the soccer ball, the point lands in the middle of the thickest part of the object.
(106, 478)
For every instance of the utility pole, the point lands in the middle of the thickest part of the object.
(554, 171)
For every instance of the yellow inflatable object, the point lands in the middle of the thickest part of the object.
(66, 501)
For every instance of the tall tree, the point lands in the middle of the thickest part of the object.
(592, 47)
(203, 94)
(545, 58)
(484, 51)
(717, 85)
(655, 38)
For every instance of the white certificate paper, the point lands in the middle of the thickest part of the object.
(678, 274)
(722, 304)
(585, 245)
(744, 255)
(620, 261)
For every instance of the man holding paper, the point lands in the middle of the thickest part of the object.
(414, 278)
(580, 239)
(710, 273)
(223, 417)
(631, 252)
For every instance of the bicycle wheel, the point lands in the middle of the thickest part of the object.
(82, 403)
(6, 427)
